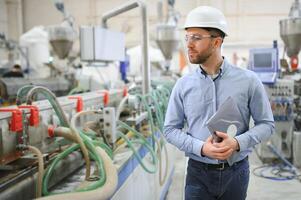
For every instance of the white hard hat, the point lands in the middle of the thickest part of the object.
(206, 17)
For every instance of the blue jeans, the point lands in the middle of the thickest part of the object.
(230, 183)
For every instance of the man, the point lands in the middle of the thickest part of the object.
(197, 96)
(16, 71)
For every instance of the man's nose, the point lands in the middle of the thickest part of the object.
(189, 44)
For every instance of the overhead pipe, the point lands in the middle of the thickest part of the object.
(145, 38)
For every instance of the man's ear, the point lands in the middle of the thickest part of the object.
(218, 42)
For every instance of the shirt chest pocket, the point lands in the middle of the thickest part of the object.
(197, 106)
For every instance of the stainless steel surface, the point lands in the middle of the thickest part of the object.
(61, 47)
(295, 10)
(168, 38)
(290, 32)
(22, 185)
(86, 38)
(109, 122)
(8, 142)
(9, 86)
(145, 38)
(61, 39)
(101, 44)
(137, 119)
(38, 136)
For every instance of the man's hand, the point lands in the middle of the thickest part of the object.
(222, 150)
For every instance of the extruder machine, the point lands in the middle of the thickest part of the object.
(97, 145)
(104, 144)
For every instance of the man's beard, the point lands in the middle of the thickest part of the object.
(201, 58)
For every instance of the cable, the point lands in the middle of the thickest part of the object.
(277, 171)
(144, 102)
(136, 154)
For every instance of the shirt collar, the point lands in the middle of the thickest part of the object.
(222, 69)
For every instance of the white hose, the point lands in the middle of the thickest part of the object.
(103, 193)
(80, 141)
(37, 152)
(84, 151)
(121, 106)
(65, 133)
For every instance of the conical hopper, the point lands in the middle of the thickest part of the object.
(61, 40)
(61, 47)
(167, 39)
(290, 32)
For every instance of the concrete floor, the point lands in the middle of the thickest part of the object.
(259, 188)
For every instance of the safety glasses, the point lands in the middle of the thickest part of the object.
(196, 37)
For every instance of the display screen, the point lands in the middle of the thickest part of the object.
(263, 60)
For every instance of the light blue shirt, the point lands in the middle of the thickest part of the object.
(196, 97)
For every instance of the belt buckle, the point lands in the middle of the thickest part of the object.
(222, 167)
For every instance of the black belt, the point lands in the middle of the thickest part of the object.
(220, 166)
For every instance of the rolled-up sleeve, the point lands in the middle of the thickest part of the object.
(262, 115)
(174, 123)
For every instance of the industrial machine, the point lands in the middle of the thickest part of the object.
(9, 87)
(281, 96)
(290, 32)
(264, 61)
(103, 144)
(119, 123)
(282, 86)
(168, 35)
(61, 38)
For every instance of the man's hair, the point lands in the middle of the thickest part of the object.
(16, 66)
(215, 32)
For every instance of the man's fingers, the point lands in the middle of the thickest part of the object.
(221, 144)
(221, 134)
(220, 149)
(224, 155)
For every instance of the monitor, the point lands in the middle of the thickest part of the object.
(263, 60)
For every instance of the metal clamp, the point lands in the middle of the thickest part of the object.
(79, 103)
(16, 122)
(34, 118)
(106, 97)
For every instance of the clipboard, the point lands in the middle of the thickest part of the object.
(227, 119)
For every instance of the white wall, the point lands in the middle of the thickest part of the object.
(11, 18)
(3, 26)
(249, 20)
(252, 23)
(3, 17)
